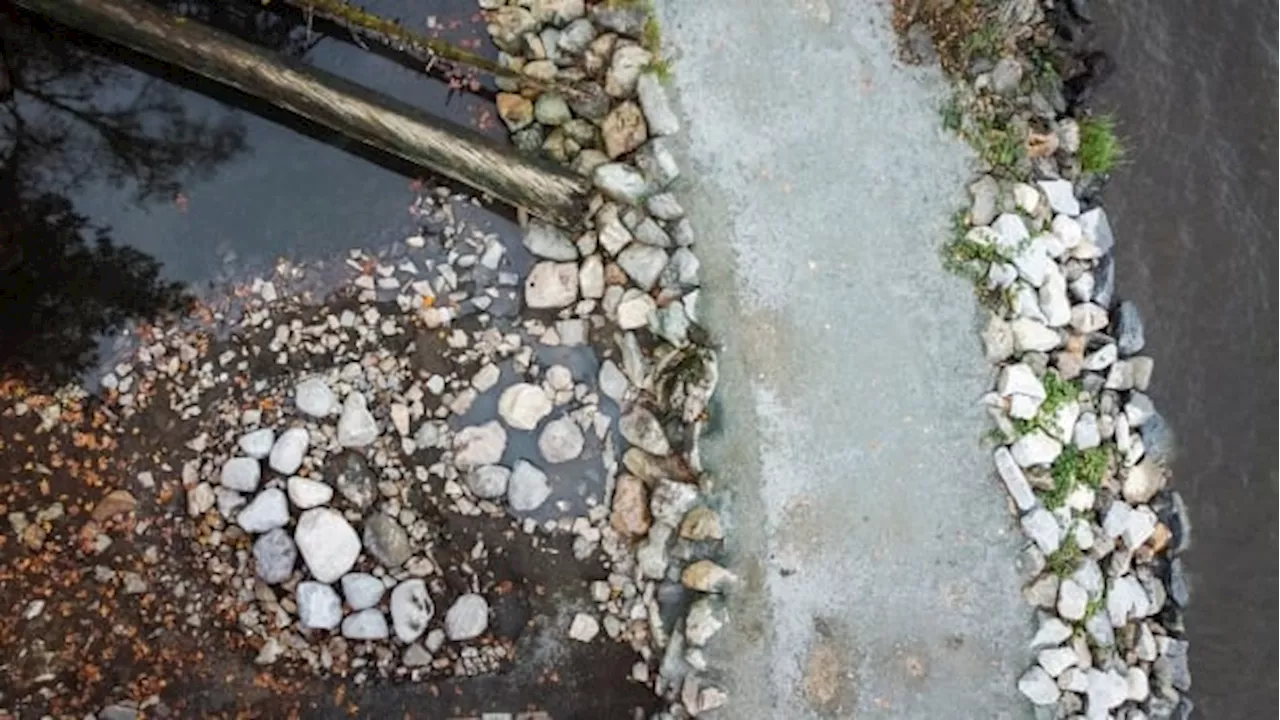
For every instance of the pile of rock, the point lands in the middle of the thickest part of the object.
(607, 119)
(1085, 453)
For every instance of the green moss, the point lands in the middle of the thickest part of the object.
(987, 41)
(1066, 558)
(1100, 147)
(661, 67)
(1075, 467)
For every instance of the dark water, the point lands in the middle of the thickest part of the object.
(1195, 216)
(191, 183)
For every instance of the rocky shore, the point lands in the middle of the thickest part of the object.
(1081, 449)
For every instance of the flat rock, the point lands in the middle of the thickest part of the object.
(528, 487)
(1142, 482)
(1072, 600)
(584, 627)
(467, 618)
(488, 482)
(411, 609)
(268, 511)
(1039, 687)
(288, 451)
(1106, 691)
(362, 590)
(1042, 528)
(1061, 197)
(1033, 336)
(241, 474)
(549, 242)
(623, 130)
(368, 624)
(314, 397)
(643, 264)
(591, 277)
(1015, 481)
(478, 445)
(630, 511)
(305, 493)
(620, 182)
(319, 607)
(657, 108)
(523, 405)
(1035, 448)
(561, 440)
(551, 285)
(328, 543)
(356, 426)
(353, 478)
(257, 444)
(274, 556)
(634, 309)
(386, 540)
(642, 429)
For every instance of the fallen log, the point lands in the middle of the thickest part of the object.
(353, 110)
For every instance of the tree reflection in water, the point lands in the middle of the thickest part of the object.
(68, 118)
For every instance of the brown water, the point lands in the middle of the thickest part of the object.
(1195, 218)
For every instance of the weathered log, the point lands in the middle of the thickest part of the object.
(353, 110)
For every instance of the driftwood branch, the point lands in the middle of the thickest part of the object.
(355, 111)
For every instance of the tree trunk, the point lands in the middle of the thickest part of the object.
(355, 111)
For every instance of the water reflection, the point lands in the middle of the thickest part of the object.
(64, 279)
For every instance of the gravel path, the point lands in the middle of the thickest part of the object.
(879, 556)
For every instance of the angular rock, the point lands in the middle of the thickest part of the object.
(612, 382)
(527, 488)
(985, 192)
(200, 499)
(328, 543)
(634, 309)
(1106, 691)
(1086, 434)
(268, 511)
(997, 340)
(640, 428)
(288, 451)
(548, 241)
(1024, 391)
(671, 324)
(620, 182)
(551, 109)
(576, 36)
(584, 627)
(386, 540)
(488, 481)
(274, 556)
(670, 501)
(478, 445)
(1054, 303)
(1056, 661)
(1072, 600)
(551, 285)
(1042, 528)
(622, 18)
(411, 609)
(628, 62)
(658, 164)
(369, 624)
(643, 264)
(623, 130)
(257, 444)
(1015, 481)
(1142, 482)
(362, 590)
(1035, 448)
(701, 524)
(313, 397)
(356, 426)
(704, 620)
(561, 440)
(523, 405)
(319, 607)
(1038, 687)
(1052, 632)
(1033, 336)
(706, 576)
(467, 618)
(657, 108)
(1097, 230)
(591, 277)
(241, 474)
(630, 514)
(1129, 333)
(1061, 197)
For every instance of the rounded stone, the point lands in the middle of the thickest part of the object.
(411, 609)
(328, 543)
(488, 481)
(523, 405)
(274, 556)
(561, 440)
(319, 607)
(369, 624)
(306, 493)
(313, 397)
(268, 511)
(257, 444)
(468, 617)
(527, 488)
(362, 590)
(288, 451)
(241, 474)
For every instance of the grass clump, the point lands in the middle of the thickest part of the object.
(1075, 467)
(1100, 147)
(1064, 561)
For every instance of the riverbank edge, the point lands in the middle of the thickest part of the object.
(615, 130)
(1080, 448)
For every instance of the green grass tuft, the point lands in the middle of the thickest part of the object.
(1100, 147)
(1066, 558)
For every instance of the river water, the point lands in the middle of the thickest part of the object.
(1195, 216)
